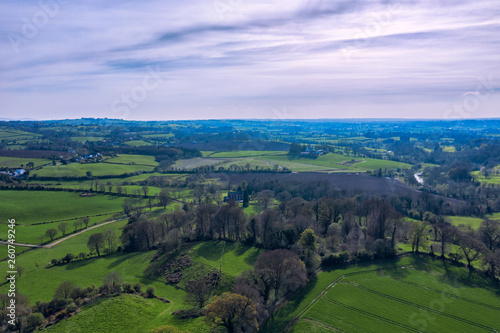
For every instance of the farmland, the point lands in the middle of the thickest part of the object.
(81, 169)
(393, 296)
(16, 162)
(54, 206)
(336, 199)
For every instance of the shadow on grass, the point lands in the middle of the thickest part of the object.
(210, 250)
(121, 257)
(252, 257)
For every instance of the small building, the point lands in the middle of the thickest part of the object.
(234, 196)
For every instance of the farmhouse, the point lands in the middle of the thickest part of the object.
(234, 196)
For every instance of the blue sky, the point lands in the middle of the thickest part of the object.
(208, 59)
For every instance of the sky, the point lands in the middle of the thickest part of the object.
(216, 59)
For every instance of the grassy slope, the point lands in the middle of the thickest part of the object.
(125, 313)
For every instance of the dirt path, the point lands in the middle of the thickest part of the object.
(62, 239)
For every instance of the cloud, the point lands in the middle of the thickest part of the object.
(358, 58)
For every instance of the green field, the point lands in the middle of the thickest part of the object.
(245, 153)
(15, 162)
(393, 296)
(29, 234)
(130, 266)
(17, 135)
(84, 139)
(336, 162)
(467, 221)
(493, 179)
(28, 207)
(237, 257)
(97, 169)
(137, 143)
(133, 159)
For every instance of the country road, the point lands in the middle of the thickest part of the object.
(62, 239)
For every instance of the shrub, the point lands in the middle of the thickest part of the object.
(72, 308)
(150, 291)
(188, 313)
(138, 287)
(127, 288)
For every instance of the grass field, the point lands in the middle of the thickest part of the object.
(493, 179)
(336, 162)
(133, 159)
(52, 206)
(97, 169)
(467, 221)
(15, 162)
(17, 135)
(244, 153)
(84, 139)
(130, 266)
(29, 234)
(237, 257)
(137, 143)
(410, 294)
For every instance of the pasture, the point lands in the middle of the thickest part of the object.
(133, 159)
(466, 221)
(18, 162)
(83, 139)
(28, 207)
(81, 169)
(137, 143)
(411, 294)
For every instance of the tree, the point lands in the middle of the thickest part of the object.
(110, 239)
(281, 271)
(164, 198)
(246, 198)
(110, 186)
(30, 165)
(112, 282)
(63, 226)
(308, 240)
(77, 224)
(445, 233)
(489, 232)
(86, 221)
(198, 292)
(89, 174)
(63, 291)
(145, 190)
(51, 233)
(235, 312)
(471, 248)
(96, 243)
(418, 235)
(265, 198)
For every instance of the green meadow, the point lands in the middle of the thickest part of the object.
(28, 207)
(81, 169)
(137, 143)
(133, 159)
(16, 162)
(392, 296)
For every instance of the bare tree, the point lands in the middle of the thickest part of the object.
(62, 227)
